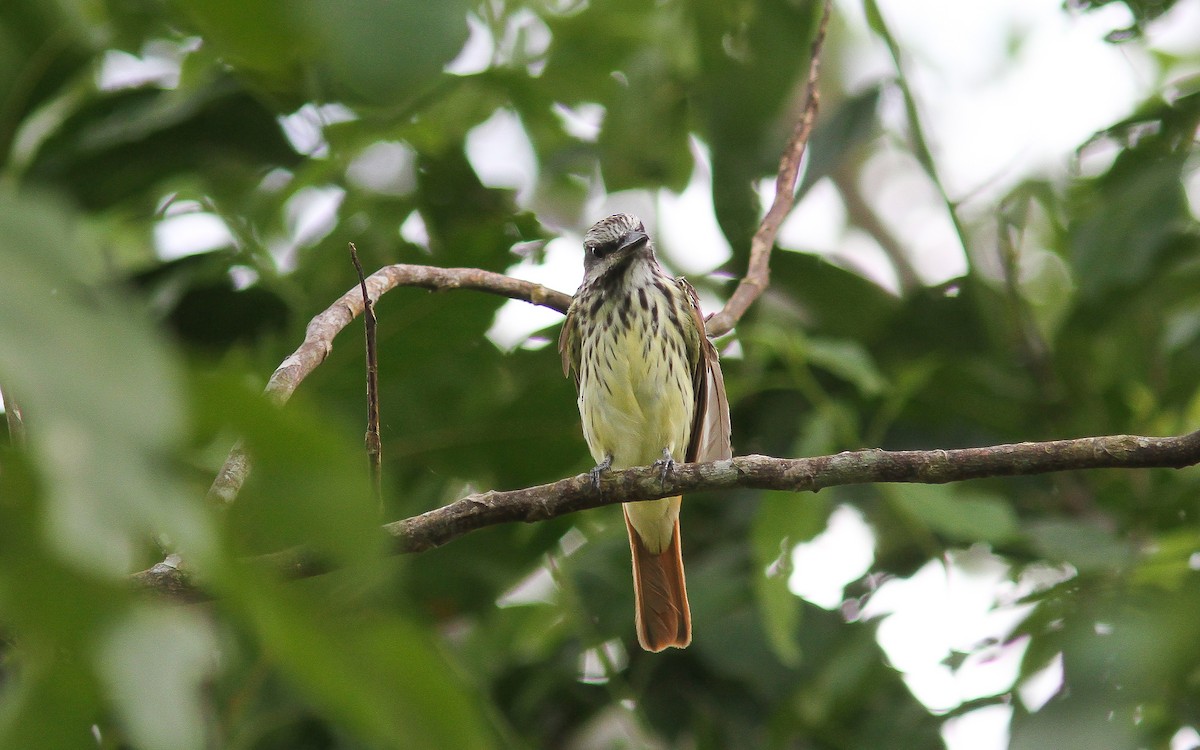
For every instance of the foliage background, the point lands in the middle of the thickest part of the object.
(1078, 314)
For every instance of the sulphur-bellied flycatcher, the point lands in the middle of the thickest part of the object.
(650, 391)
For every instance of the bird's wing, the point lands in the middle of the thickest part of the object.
(568, 345)
(710, 438)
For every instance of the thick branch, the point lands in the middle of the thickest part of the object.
(437, 527)
(758, 271)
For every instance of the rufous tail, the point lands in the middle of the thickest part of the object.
(660, 593)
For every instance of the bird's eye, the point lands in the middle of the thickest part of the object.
(589, 248)
(601, 249)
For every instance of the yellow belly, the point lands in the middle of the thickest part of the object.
(636, 400)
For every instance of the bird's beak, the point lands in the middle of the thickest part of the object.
(633, 239)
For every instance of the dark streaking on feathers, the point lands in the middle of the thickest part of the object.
(650, 390)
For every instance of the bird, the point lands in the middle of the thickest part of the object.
(651, 392)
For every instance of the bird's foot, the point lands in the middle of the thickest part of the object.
(599, 469)
(665, 465)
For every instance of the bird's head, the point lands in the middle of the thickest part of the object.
(612, 243)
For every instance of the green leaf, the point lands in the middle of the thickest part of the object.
(724, 613)
(374, 53)
(124, 145)
(155, 661)
(752, 58)
(848, 360)
(838, 134)
(1086, 546)
(307, 484)
(49, 697)
(100, 391)
(784, 519)
(1126, 221)
(1073, 724)
(824, 297)
(377, 673)
(960, 515)
(58, 39)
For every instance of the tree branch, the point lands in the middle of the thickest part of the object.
(318, 337)
(533, 504)
(758, 271)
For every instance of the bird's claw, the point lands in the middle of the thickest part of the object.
(598, 471)
(665, 465)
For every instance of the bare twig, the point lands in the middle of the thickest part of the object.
(15, 417)
(373, 443)
(758, 271)
(532, 504)
(318, 337)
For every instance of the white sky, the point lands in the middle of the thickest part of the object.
(992, 117)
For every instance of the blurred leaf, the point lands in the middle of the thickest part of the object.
(729, 636)
(378, 673)
(812, 291)
(155, 661)
(1170, 564)
(1143, 12)
(46, 698)
(307, 486)
(197, 297)
(381, 52)
(444, 124)
(43, 46)
(848, 360)
(644, 139)
(1129, 218)
(1072, 725)
(99, 432)
(838, 134)
(753, 57)
(376, 53)
(1085, 546)
(125, 144)
(1134, 215)
(958, 514)
(783, 521)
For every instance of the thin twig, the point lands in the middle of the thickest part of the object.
(758, 270)
(371, 439)
(533, 504)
